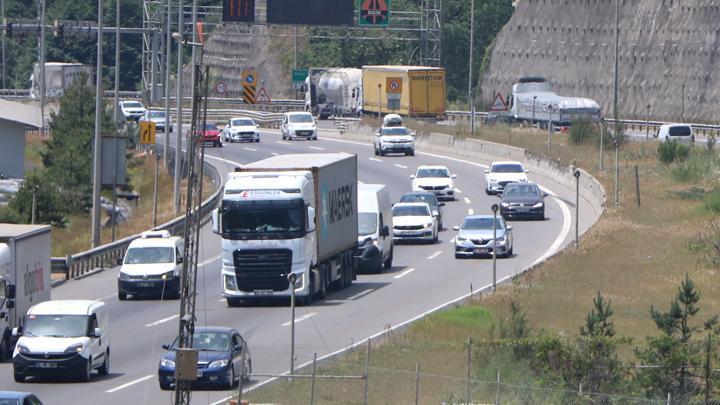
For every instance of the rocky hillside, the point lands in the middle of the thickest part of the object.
(664, 45)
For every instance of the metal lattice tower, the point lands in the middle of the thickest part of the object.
(193, 218)
(430, 33)
(154, 48)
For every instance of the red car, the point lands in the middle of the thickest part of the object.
(211, 134)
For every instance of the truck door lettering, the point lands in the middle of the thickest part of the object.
(34, 280)
(341, 203)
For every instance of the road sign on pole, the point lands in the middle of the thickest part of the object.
(262, 96)
(221, 87)
(249, 84)
(374, 13)
(147, 133)
(393, 85)
(299, 75)
(498, 103)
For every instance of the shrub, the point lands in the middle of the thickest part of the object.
(672, 151)
(701, 164)
(581, 131)
(712, 201)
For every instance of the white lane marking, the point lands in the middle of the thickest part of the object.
(210, 260)
(133, 382)
(405, 273)
(301, 318)
(434, 255)
(360, 294)
(274, 153)
(457, 190)
(231, 162)
(567, 217)
(283, 142)
(375, 160)
(452, 240)
(360, 182)
(316, 147)
(467, 200)
(471, 211)
(161, 321)
(400, 166)
(221, 300)
(251, 149)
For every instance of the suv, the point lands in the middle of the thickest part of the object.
(435, 179)
(501, 173)
(298, 125)
(151, 266)
(63, 337)
(394, 140)
(132, 110)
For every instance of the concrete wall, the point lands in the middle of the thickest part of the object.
(12, 150)
(663, 45)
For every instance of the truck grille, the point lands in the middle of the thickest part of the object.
(265, 269)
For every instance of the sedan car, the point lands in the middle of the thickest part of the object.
(501, 173)
(241, 129)
(223, 358)
(18, 398)
(414, 221)
(475, 237)
(435, 179)
(158, 117)
(394, 140)
(430, 199)
(211, 135)
(523, 200)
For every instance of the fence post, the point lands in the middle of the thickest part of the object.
(365, 374)
(637, 185)
(417, 383)
(669, 399)
(467, 376)
(312, 385)
(497, 389)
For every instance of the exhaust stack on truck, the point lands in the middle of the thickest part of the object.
(288, 214)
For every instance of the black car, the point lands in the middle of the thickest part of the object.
(223, 358)
(430, 199)
(522, 200)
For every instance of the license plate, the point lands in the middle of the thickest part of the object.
(481, 251)
(145, 284)
(523, 209)
(46, 365)
(263, 292)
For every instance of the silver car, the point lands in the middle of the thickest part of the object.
(475, 237)
(158, 117)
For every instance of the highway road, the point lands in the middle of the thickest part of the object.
(423, 278)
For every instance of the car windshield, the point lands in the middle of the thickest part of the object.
(132, 104)
(156, 114)
(439, 172)
(679, 130)
(209, 341)
(395, 131)
(410, 211)
(145, 255)
(56, 325)
(242, 122)
(367, 223)
(481, 223)
(522, 190)
(299, 118)
(421, 197)
(211, 127)
(507, 168)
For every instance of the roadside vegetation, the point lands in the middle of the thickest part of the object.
(639, 291)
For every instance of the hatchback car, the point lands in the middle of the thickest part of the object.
(430, 199)
(414, 221)
(501, 173)
(18, 398)
(158, 117)
(223, 358)
(211, 134)
(394, 140)
(435, 179)
(475, 237)
(523, 200)
(241, 129)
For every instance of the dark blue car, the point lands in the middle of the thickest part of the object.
(18, 398)
(223, 359)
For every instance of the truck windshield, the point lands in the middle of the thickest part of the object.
(56, 325)
(143, 255)
(367, 223)
(263, 217)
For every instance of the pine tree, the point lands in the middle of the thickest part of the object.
(597, 322)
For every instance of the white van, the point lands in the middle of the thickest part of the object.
(152, 266)
(682, 133)
(63, 338)
(375, 242)
(297, 125)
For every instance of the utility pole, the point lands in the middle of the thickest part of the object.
(2, 15)
(117, 66)
(682, 105)
(296, 48)
(42, 68)
(98, 130)
(470, 67)
(178, 101)
(615, 96)
(168, 52)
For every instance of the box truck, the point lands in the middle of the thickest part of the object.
(288, 215)
(416, 91)
(24, 275)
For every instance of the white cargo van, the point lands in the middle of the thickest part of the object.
(681, 133)
(63, 338)
(152, 266)
(375, 243)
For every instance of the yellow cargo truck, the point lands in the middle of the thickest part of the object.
(416, 91)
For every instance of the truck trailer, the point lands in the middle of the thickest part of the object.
(24, 276)
(288, 214)
(59, 76)
(416, 91)
(533, 100)
(334, 92)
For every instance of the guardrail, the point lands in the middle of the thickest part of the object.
(106, 256)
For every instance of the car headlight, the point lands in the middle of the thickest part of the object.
(123, 276)
(505, 205)
(501, 240)
(23, 349)
(169, 275)
(428, 225)
(461, 239)
(218, 363)
(230, 282)
(538, 205)
(435, 213)
(76, 348)
(167, 363)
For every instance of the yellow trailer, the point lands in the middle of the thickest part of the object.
(417, 91)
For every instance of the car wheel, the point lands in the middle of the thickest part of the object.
(435, 238)
(510, 252)
(231, 378)
(105, 368)
(388, 262)
(381, 153)
(233, 302)
(257, 140)
(19, 377)
(314, 138)
(247, 372)
(122, 296)
(458, 256)
(412, 153)
(165, 387)
(219, 145)
(85, 372)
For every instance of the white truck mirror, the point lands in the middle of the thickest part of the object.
(310, 219)
(216, 218)
(15, 332)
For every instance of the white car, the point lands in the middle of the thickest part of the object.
(152, 266)
(298, 125)
(435, 179)
(132, 110)
(241, 129)
(414, 221)
(501, 173)
(682, 133)
(394, 140)
(158, 117)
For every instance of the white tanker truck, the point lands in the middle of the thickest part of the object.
(334, 91)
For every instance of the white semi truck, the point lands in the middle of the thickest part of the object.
(288, 214)
(533, 100)
(334, 91)
(24, 276)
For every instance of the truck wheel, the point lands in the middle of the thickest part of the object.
(5, 352)
(323, 283)
(19, 378)
(388, 262)
(84, 374)
(122, 296)
(105, 368)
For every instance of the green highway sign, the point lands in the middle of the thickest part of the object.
(299, 75)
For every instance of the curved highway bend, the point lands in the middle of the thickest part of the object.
(423, 277)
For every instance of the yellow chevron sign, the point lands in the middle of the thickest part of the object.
(249, 84)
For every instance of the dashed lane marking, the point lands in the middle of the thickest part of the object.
(301, 318)
(161, 321)
(360, 294)
(405, 273)
(400, 166)
(434, 255)
(250, 149)
(467, 200)
(376, 160)
(133, 382)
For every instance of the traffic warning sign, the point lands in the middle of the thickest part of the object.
(249, 83)
(498, 103)
(262, 96)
